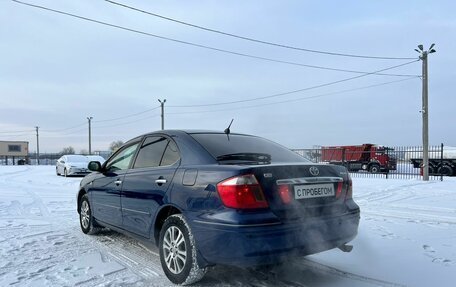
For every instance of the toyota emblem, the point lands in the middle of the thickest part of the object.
(314, 171)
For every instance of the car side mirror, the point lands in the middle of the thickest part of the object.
(94, 166)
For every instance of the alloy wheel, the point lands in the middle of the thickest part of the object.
(174, 249)
(85, 214)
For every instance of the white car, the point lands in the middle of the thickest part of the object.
(75, 164)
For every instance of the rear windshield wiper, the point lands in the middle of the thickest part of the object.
(246, 158)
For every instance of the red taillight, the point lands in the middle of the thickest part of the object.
(284, 192)
(349, 193)
(242, 192)
(339, 188)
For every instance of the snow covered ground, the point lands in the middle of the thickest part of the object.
(407, 237)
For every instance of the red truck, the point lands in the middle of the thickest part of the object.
(367, 157)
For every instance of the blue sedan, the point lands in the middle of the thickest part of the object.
(207, 198)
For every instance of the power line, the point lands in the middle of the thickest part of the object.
(66, 133)
(15, 135)
(291, 92)
(127, 123)
(107, 120)
(64, 129)
(296, 99)
(129, 116)
(59, 131)
(13, 132)
(238, 108)
(256, 40)
(105, 126)
(247, 107)
(204, 46)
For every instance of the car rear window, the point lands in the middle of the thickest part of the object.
(221, 145)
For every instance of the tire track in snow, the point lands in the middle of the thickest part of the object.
(32, 255)
(128, 252)
(345, 274)
(420, 217)
(424, 208)
(13, 173)
(391, 193)
(145, 263)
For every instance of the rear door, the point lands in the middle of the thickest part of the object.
(146, 183)
(105, 190)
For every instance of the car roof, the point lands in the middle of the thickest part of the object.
(189, 131)
(75, 155)
(176, 132)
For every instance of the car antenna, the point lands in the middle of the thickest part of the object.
(227, 130)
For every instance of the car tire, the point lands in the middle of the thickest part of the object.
(86, 220)
(178, 252)
(374, 168)
(57, 171)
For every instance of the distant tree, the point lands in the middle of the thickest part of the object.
(84, 151)
(115, 145)
(67, 150)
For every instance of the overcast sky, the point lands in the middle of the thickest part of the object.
(56, 70)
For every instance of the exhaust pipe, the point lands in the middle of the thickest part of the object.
(346, 248)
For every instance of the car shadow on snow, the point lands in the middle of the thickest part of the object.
(297, 271)
(290, 273)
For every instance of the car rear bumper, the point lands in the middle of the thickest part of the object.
(268, 244)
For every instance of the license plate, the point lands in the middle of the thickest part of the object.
(314, 190)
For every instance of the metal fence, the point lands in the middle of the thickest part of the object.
(31, 159)
(12, 160)
(404, 162)
(42, 159)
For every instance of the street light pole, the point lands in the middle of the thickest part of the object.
(425, 108)
(90, 134)
(162, 104)
(37, 146)
(425, 116)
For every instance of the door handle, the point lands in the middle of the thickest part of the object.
(160, 181)
(118, 182)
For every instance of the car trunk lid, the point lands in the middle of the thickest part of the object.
(296, 191)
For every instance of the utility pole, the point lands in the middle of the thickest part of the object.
(162, 113)
(425, 107)
(90, 134)
(37, 146)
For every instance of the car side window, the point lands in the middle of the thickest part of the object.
(122, 159)
(171, 154)
(151, 152)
